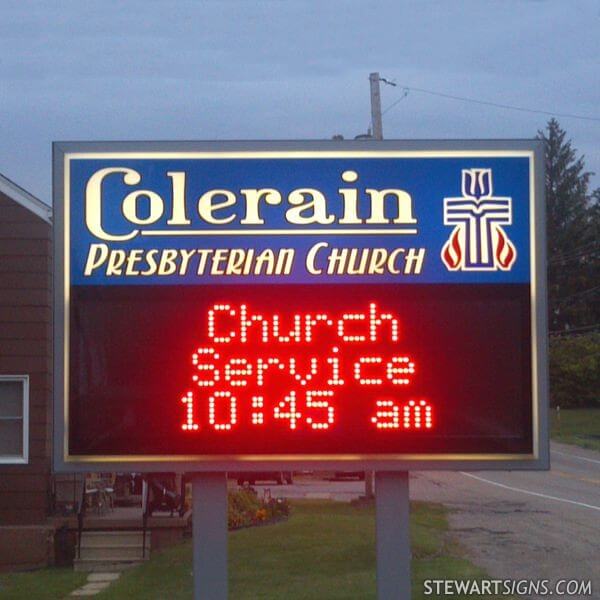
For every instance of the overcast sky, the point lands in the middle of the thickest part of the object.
(288, 69)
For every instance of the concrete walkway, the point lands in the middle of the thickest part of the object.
(96, 583)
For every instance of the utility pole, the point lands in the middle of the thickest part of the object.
(377, 125)
(376, 106)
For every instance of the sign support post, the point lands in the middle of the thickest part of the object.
(209, 501)
(393, 535)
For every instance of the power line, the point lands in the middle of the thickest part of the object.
(585, 251)
(578, 248)
(407, 89)
(404, 94)
(589, 328)
(569, 299)
(581, 247)
(575, 258)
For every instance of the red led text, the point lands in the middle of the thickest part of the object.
(296, 371)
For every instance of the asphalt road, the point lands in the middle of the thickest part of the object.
(516, 525)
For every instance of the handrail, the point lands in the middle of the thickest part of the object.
(80, 515)
(145, 507)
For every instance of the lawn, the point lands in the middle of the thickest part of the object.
(45, 584)
(326, 550)
(579, 426)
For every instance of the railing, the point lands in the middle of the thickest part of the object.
(145, 511)
(80, 515)
(81, 511)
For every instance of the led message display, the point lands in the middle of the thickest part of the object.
(248, 306)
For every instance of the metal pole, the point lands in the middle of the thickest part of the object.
(209, 517)
(376, 106)
(393, 535)
(369, 485)
(377, 124)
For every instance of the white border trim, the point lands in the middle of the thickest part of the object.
(65, 152)
(24, 458)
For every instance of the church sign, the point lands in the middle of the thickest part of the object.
(235, 306)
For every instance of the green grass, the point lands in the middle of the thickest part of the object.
(44, 584)
(325, 551)
(579, 426)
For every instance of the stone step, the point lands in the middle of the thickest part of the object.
(112, 551)
(114, 538)
(120, 533)
(101, 565)
(106, 550)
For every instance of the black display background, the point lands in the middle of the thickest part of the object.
(130, 364)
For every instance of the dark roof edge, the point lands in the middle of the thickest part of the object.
(25, 199)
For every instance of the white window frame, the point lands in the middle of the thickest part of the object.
(23, 459)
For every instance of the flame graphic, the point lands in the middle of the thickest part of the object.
(506, 253)
(451, 252)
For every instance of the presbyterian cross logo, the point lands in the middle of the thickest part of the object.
(478, 242)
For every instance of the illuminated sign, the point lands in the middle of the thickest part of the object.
(312, 378)
(225, 306)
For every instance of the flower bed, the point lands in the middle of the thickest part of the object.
(246, 509)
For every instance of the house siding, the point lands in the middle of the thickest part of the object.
(26, 349)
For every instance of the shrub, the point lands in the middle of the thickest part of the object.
(575, 371)
(245, 509)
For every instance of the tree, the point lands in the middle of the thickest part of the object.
(573, 235)
(575, 371)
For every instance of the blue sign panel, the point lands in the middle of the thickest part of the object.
(301, 218)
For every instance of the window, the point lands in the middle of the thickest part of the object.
(14, 419)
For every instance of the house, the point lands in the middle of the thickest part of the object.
(38, 524)
(26, 483)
